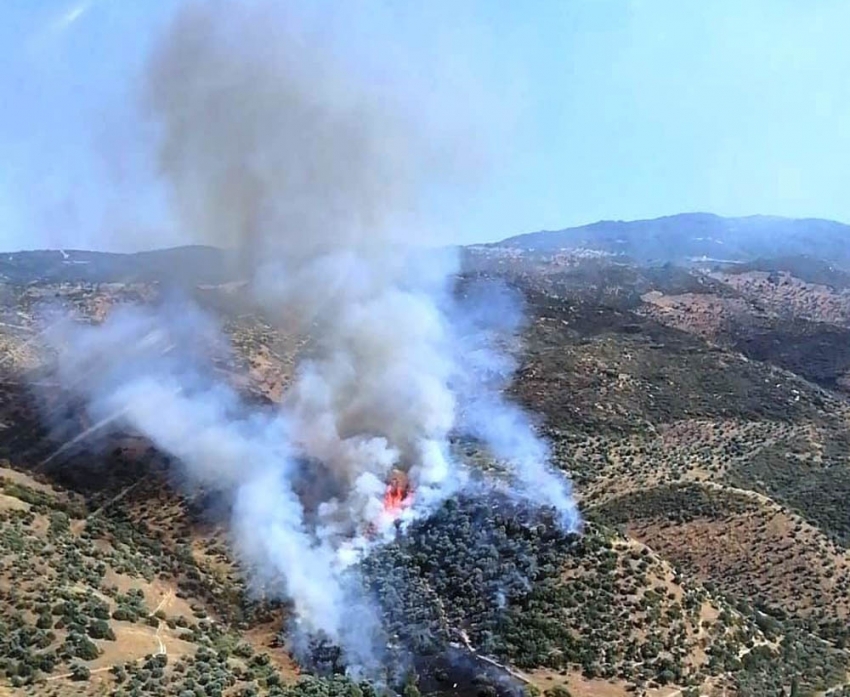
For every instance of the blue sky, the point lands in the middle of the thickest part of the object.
(577, 110)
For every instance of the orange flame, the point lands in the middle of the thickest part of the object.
(397, 497)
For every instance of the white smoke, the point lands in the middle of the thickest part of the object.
(270, 148)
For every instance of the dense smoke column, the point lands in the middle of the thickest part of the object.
(270, 148)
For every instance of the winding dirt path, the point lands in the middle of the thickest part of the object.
(161, 650)
(166, 600)
(63, 676)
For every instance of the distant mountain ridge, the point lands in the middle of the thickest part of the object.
(193, 264)
(689, 237)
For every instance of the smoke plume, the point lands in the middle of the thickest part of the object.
(271, 148)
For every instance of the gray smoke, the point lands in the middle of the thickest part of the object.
(271, 148)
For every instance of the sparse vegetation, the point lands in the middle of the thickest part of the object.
(715, 485)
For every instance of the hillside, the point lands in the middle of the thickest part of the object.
(712, 469)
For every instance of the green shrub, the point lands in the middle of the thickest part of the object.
(80, 672)
(100, 629)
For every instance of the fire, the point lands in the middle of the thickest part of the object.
(394, 499)
(397, 497)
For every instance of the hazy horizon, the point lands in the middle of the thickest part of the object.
(566, 114)
(520, 233)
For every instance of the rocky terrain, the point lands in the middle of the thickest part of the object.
(699, 406)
